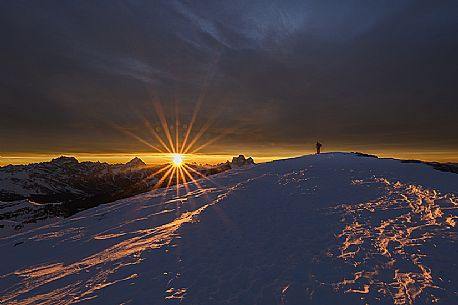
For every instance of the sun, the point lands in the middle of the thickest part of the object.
(178, 144)
(177, 160)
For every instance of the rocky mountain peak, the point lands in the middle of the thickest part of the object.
(135, 162)
(241, 161)
(64, 160)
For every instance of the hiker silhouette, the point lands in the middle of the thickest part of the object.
(318, 147)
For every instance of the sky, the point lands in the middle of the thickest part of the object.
(268, 78)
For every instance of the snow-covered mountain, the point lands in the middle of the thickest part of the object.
(333, 228)
(34, 194)
(66, 177)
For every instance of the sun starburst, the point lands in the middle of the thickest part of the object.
(177, 142)
(177, 160)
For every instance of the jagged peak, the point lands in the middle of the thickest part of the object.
(64, 160)
(136, 162)
(241, 161)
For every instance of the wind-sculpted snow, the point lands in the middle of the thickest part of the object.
(327, 229)
(399, 232)
(89, 274)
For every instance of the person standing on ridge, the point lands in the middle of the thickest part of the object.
(318, 147)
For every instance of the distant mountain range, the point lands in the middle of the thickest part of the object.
(64, 186)
(66, 180)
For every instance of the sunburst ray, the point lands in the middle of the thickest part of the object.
(176, 145)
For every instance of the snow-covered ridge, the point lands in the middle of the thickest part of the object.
(444, 167)
(323, 229)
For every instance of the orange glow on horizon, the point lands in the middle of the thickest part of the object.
(210, 158)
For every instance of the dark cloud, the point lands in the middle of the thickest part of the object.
(353, 72)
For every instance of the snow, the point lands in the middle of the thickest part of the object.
(322, 229)
(23, 215)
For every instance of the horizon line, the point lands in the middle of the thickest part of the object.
(215, 158)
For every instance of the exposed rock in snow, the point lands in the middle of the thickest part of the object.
(332, 228)
(16, 215)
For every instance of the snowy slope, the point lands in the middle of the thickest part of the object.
(323, 229)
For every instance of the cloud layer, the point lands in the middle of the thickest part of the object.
(281, 72)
